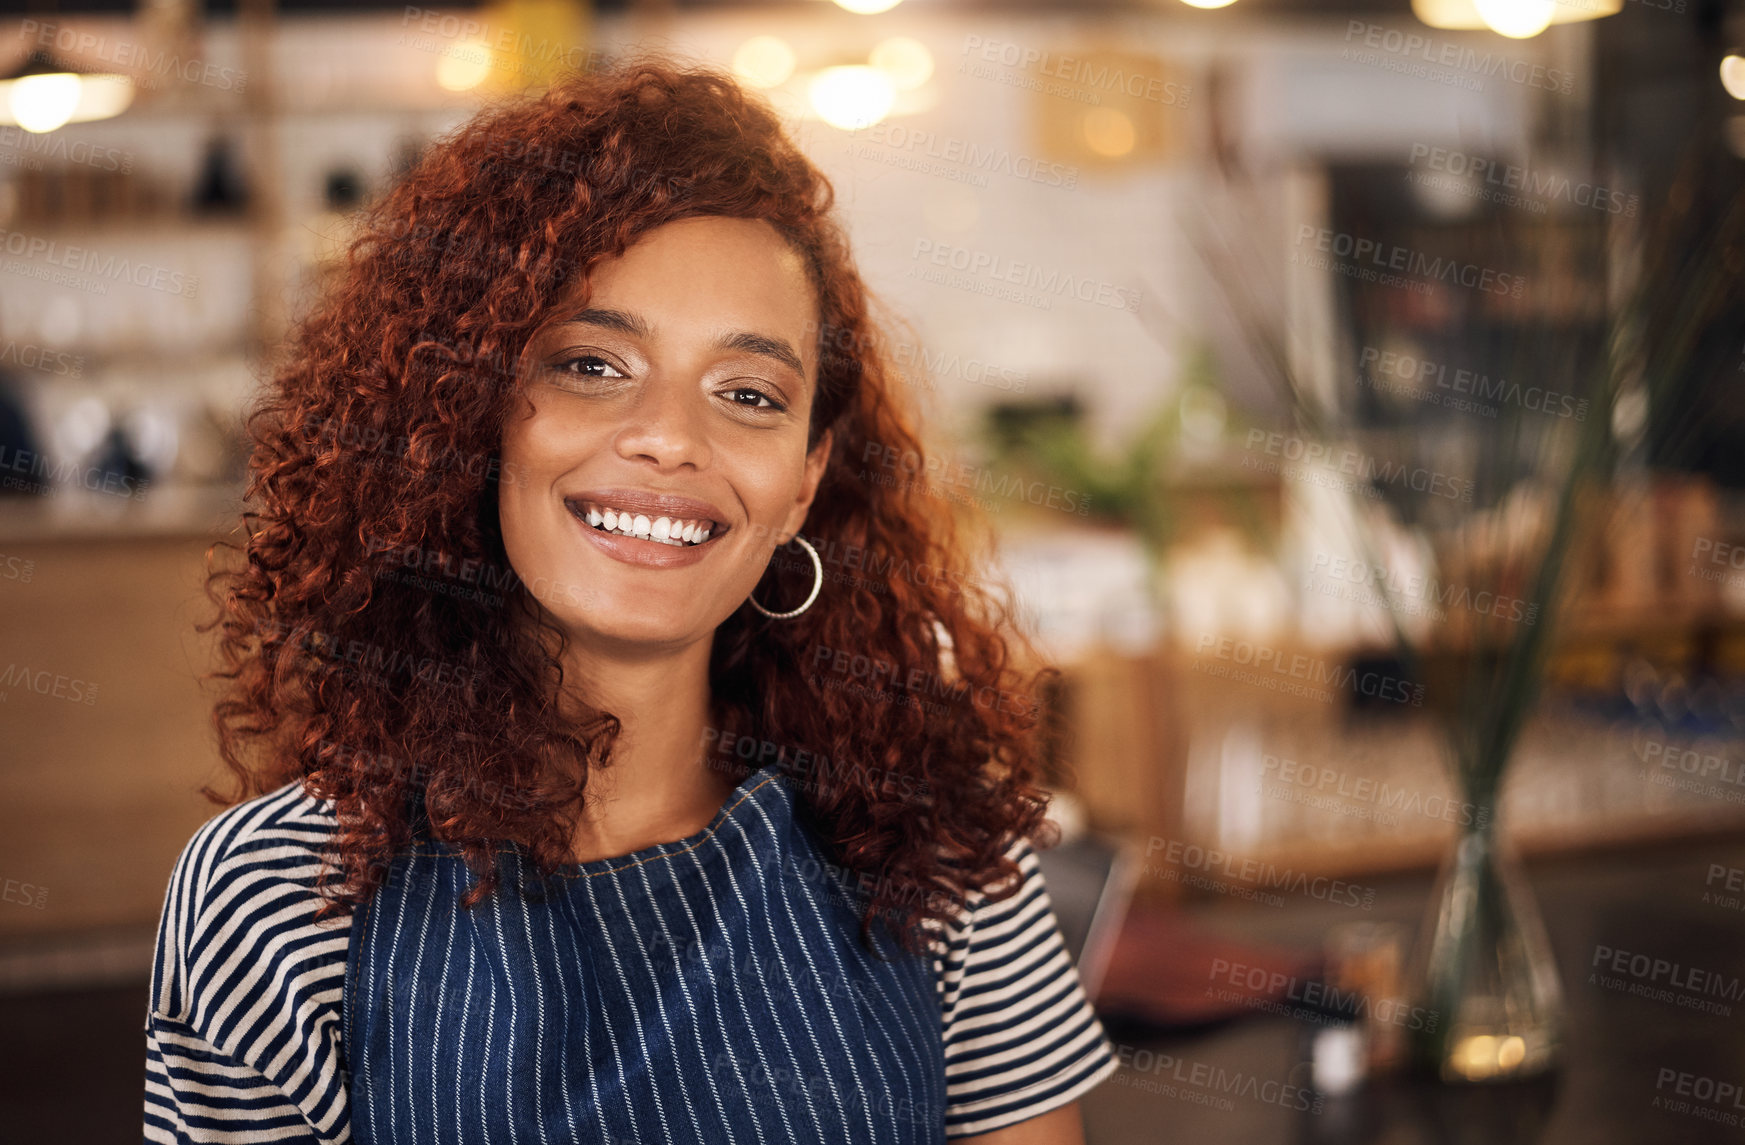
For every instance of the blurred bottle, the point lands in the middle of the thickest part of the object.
(220, 189)
(19, 452)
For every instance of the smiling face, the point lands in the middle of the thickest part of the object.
(682, 392)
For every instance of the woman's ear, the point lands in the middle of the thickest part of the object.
(816, 461)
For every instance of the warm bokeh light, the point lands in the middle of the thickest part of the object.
(764, 61)
(867, 7)
(465, 67)
(907, 62)
(44, 102)
(1484, 1056)
(1516, 19)
(1733, 76)
(1209, 3)
(1108, 132)
(852, 97)
(102, 96)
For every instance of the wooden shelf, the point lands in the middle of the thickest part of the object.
(1383, 858)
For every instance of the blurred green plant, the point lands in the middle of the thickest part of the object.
(1133, 483)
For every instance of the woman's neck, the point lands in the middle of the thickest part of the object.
(658, 786)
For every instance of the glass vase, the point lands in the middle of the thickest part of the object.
(1487, 979)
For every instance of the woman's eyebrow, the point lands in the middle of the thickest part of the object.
(613, 320)
(744, 341)
(777, 348)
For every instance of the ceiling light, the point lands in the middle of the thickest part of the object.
(907, 62)
(853, 96)
(1733, 76)
(465, 66)
(764, 61)
(1517, 19)
(42, 94)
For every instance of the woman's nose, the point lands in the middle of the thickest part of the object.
(666, 425)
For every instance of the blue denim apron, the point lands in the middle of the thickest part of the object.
(712, 989)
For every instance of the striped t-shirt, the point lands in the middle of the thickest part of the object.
(245, 1034)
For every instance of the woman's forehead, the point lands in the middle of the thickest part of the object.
(703, 277)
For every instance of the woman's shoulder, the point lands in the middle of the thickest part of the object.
(289, 815)
(1021, 1037)
(247, 987)
(985, 913)
(242, 894)
(992, 930)
(251, 845)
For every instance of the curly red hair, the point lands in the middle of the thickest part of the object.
(364, 657)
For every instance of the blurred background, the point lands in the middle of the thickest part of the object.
(1354, 391)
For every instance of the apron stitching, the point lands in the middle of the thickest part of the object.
(708, 834)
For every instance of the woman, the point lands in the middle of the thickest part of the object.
(569, 811)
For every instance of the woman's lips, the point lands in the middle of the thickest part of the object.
(647, 554)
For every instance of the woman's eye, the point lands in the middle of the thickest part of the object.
(738, 396)
(590, 363)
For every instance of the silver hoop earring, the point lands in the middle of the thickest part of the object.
(817, 583)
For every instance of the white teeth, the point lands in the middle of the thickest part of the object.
(666, 530)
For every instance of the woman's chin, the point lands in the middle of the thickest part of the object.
(636, 622)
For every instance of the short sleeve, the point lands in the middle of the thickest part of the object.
(243, 1028)
(1020, 1035)
(194, 1093)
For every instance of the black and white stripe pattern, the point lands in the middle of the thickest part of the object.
(245, 1038)
(1020, 1036)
